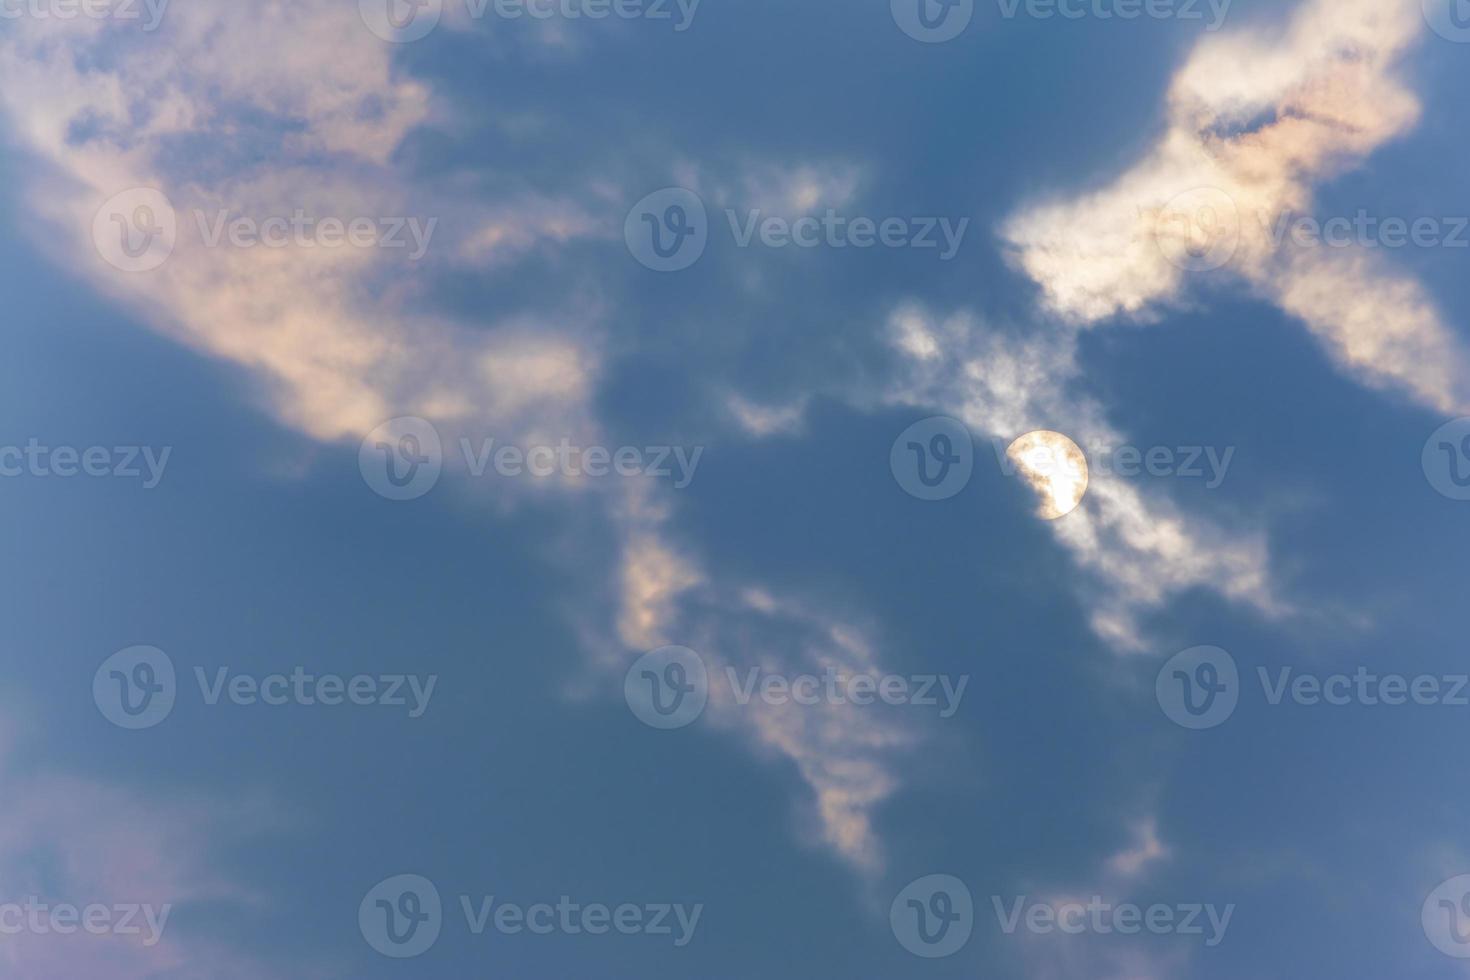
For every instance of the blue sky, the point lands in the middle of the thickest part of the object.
(1120, 283)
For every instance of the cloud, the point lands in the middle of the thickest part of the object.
(80, 841)
(1255, 120)
(1140, 550)
(1146, 851)
(278, 107)
(762, 421)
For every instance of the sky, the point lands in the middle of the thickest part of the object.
(642, 489)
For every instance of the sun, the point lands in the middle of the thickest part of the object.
(1056, 469)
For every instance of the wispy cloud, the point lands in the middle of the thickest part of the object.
(1256, 119)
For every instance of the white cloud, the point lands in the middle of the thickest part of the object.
(1139, 549)
(1255, 120)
